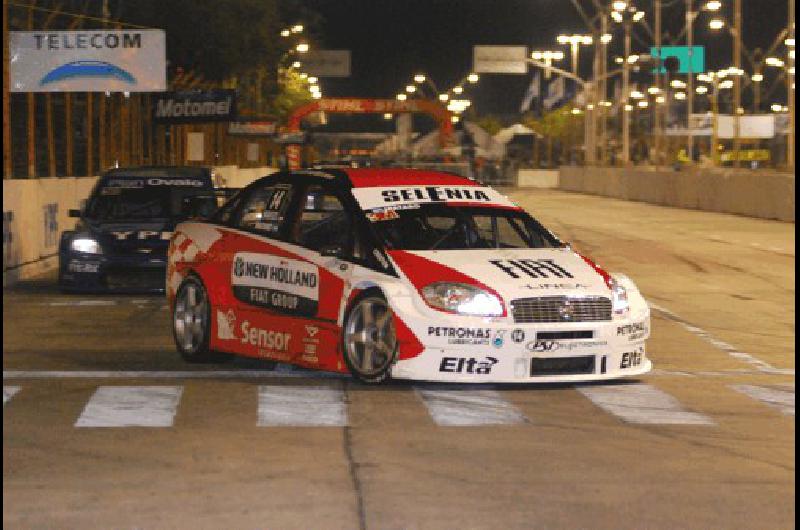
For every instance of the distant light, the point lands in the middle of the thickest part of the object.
(589, 107)
(740, 110)
(635, 94)
(677, 83)
(411, 89)
(604, 103)
(316, 95)
(454, 119)
(285, 33)
(728, 83)
(312, 80)
(716, 23)
(619, 5)
(680, 95)
(302, 47)
(789, 42)
(313, 88)
(791, 70)
(702, 89)
(705, 78)
(296, 64)
(639, 15)
(605, 38)
(387, 116)
(757, 78)
(303, 75)
(791, 54)
(713, 5)
(643, 104)
(577, 111)
(443, 97)
(616, 16)
(774, 61)
(628, 108)
(457, 90)
(619, 60)
(297, 28)
(473, 78)
(419, 78)
(401, 97)
(660, 99)
(126, 94)
(633, 58)
(653, 90)
(562, 39)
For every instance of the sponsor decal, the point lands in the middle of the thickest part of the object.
(551, 345)
(83, 266)
(402, 196)
(468, 365)
(573, 286)
(631, 359)
(141, 183)
(123, 235)
(534, 268)
(383, 215)
(282, 284)
(634, 331)
(92, 69)
(518, 336)
(226, 325)
(468, 336)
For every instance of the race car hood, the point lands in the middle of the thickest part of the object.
(130, 237)
(511, 273)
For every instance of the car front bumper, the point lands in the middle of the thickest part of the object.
(119, 274)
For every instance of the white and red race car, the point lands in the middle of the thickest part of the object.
(398, 273)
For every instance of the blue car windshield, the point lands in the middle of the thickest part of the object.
(121, 200)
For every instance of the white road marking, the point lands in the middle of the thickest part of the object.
(8, 393)
(782, 400)
(165, 374)
(722, 345)
(301, 406)
(642, 403)
(464, 408)
(131, 406)
(80, 303)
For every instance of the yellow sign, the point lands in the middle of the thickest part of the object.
(747, 155)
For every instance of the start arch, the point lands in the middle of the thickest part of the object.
(366, 106)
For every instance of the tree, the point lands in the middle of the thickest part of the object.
(490, 123)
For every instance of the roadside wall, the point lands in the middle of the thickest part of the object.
(35, 212)
(768, 195)
(537, 178)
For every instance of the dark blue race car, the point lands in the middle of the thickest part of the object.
(120, 242)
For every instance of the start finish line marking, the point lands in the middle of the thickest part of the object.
(731, 350)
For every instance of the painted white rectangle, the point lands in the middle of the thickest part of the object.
(132, 60)
(466, 408)
(642, 403)
(8, 393)
(131, 406)
(404, 196)
(301, 406)
(781, 399)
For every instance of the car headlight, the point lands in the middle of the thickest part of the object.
(462, 299)
(619, 298)
(86, 245)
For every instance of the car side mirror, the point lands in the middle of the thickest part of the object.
(334, 251)
(74, 213)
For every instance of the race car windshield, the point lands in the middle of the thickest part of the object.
(440, 227)
(146, 202)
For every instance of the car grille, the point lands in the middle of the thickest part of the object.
(562, 366)
(561, 309)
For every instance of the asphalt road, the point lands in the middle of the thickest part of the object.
(705, 441)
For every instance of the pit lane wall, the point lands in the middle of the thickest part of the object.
(35, 212)
(764, 194)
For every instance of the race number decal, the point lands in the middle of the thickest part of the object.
(284, 285)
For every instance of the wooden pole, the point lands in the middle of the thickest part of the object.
(89, 134)
(69, 139)
(8, 166)
(101, 135)
(51, 143)
(31, 115)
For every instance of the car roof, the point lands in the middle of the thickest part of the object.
(158, 171)
(385, 177)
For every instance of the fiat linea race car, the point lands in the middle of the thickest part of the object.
(398, 273)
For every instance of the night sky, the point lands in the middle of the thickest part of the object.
(391, 40)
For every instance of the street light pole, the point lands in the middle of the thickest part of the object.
(790, 77)
(737, 80)
(690, 82)
(626, 124)
(657, 108)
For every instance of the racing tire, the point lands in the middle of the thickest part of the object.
(369, 341)
(191, 323)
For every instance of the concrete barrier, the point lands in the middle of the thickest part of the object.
(768, 195)
(35, 212)
(537, 178)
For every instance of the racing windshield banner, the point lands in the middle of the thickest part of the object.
(129, 183)
(411, 196)
(284, 285)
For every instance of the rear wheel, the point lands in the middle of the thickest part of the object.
(369, 339)
(191, 323)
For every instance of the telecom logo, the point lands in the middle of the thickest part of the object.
(96, 69)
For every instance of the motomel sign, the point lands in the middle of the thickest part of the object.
(195, 106)
(88, 61)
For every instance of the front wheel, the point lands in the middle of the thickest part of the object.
(191, 323)
(369, 339)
